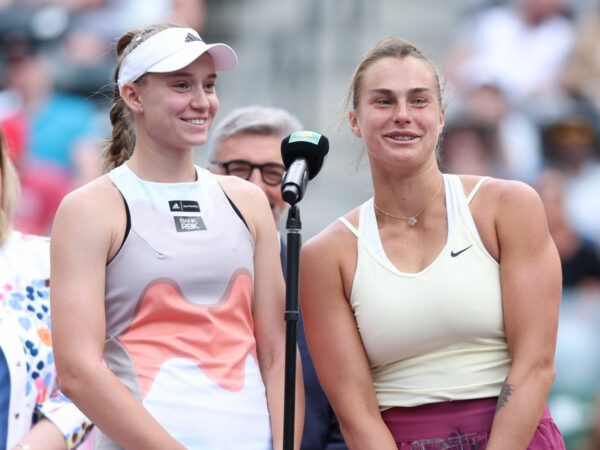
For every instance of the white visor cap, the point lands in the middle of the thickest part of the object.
(170, 50)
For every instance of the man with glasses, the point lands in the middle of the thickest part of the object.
(247, 144)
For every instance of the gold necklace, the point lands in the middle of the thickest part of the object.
(413, 219)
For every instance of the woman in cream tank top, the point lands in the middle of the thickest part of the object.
(431, 310)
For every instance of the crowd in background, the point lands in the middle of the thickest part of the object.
(523, 102)
(57, 62)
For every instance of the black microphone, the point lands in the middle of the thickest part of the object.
(303, 155)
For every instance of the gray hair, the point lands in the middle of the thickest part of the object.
(260, 120)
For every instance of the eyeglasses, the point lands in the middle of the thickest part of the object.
(272, 173)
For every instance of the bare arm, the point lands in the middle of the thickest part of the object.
(44, 434)
(530, 275)
(334, 341)
(87, 230)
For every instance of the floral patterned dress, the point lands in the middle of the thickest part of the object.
(26, 347)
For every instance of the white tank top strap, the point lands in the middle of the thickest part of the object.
(453, 190)
(367, 231)
(349, 225)
(475, 189)
(457, 204)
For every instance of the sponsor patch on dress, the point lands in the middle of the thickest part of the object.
(189, 223)
(184, 206)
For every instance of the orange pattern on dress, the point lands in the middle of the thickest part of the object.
(217, 337)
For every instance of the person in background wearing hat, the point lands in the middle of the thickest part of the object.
(168, 294)
(33, 413)
(250, 138)
(571, 145)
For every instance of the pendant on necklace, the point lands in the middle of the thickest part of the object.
(412, 221)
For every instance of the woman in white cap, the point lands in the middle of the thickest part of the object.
(168, 318)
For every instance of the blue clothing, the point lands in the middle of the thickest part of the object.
(4, 399)
(56, 127)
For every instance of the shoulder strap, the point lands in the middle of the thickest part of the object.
(348, 225)
(475, 189)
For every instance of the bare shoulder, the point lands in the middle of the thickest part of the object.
(249, 199)
(238, 188)
(506, 211)
(92, 215)
(329, 258)
(335, 240)
(95, 197)
(501, 195)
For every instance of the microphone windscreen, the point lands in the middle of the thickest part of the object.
(311, 146)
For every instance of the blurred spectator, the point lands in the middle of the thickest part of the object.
(581, 75)
(517, 136)
(93, 31)
(474, 6)
(574, 394)
(580, 257)
(55, 136)
(571, 145)
(470, 147)
(80, 34)
(591, 439)
(520, 46)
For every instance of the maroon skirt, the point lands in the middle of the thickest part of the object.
(459, 425)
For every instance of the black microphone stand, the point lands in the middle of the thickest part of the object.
(294, 238)
(303, 154)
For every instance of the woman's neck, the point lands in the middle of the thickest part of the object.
(163, 169)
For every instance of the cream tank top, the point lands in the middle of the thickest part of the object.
(436, 335)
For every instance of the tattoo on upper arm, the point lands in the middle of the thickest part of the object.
(505, 392)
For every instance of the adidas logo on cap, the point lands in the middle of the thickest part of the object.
(190, 37)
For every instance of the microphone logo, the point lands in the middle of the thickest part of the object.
(305, 136)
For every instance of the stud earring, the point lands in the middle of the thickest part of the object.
(139, 109)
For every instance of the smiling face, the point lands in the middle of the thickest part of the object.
(178, 107)
(398, 111)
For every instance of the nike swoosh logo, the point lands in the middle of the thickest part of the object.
(455, 254)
